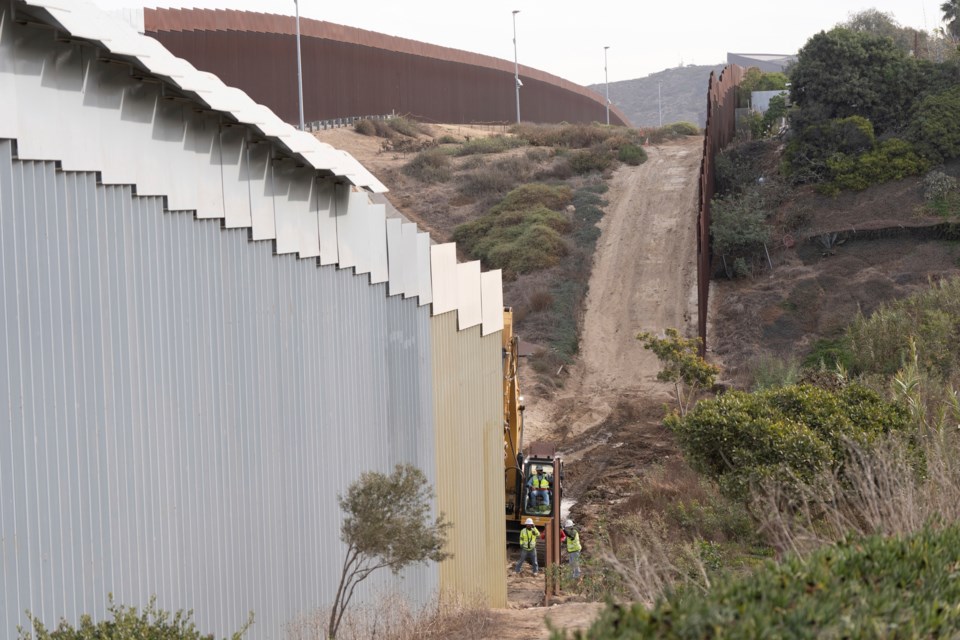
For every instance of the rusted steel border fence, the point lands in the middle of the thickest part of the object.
(349, 71)
(720, 129)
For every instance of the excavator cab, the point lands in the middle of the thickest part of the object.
(539, 489)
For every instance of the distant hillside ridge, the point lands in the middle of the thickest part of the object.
(683, 96)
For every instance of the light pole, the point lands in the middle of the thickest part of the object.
(516, 65)
(659, 105)
(606, 81)
(296, 4)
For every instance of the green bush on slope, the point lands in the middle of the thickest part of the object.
(870, 588)
(739, 438)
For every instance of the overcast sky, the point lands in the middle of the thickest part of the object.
(566, 38)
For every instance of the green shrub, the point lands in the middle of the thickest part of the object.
(738, 167)
(941, 193)
(406, 126)
(935, 127)
(683, 129)
(447, 139)
(126, 623)
(742, 438)
(432, 165)
(522, 233)
(365, 127)
(866, 588)
(738, 226)
(892, 159)
(495, 178)
(490, 144)
(590, 160)
(808, 153)
(632, 154)
(534, 194)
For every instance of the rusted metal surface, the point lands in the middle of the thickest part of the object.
(347, 71)
(720, 129)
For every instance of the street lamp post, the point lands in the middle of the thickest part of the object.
(296, 4)
(516, 65)
(606, 81)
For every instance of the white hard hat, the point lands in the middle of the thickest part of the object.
(568, 523)
(529, 521)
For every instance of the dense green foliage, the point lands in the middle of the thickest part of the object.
(868, 588)
(738, 226)
(842, 73)
(909, 40)
(127, 623)
(935, 128)
(756, 80)
(743, 438)
(892, 159)
(523, 233)
(739, 167)
(866, 111)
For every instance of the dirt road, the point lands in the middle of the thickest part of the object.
(643, 279)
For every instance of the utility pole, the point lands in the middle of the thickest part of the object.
(296, 3)
(606, 81)
(659, 104)
(516, 65)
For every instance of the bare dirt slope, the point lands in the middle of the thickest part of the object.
(643, 279)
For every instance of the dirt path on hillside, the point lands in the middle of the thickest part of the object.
(644, 279)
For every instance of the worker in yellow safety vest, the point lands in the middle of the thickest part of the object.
(573, 547)
(528, 546)
(539, 491)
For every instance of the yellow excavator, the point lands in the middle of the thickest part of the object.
(527, 494)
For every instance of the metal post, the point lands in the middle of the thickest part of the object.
(659, 105)
(296, 4)
(606, 81)
(516, 65)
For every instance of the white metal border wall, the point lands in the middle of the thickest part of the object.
(181, 408)
(247, 320)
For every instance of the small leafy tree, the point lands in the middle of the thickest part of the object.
(386, 525)
(126, 622)
(681, 364)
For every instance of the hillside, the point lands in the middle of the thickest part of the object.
(682, 96)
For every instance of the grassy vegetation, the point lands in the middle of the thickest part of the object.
(489, 144)
(430, 166)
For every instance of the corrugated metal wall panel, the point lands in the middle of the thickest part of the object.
(183, 407)
(468, 404)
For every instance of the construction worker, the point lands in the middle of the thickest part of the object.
(539, 491)
(528, 546)
(573, 547)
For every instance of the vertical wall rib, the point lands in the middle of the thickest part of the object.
(182, 407)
